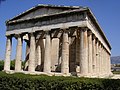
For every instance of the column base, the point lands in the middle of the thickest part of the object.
(83, 75)
(95, 75)
(8, 71)
(110, 75)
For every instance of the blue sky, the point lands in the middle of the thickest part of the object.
(107, 13)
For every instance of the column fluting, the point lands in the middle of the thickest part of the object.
(47, 55)
(31, 66)
(65, 54)
(18, 60)
(83, 52)
(8, 53)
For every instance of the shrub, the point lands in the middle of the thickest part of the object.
(20, 81)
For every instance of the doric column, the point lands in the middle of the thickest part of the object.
(8, 53)
(65, 54)
(106, 62)
(102, 63)
(100, 58)
(47, 58)
(18, 54)
(90, 70)
(109, 67)
(94, 54)
(83, 52)
(97, 57)
(31, 66)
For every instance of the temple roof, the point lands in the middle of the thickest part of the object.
(58, 7)
(16, 20)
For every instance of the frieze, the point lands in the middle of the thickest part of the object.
(47, 21)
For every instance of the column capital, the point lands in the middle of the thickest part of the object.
(90, 33)
(18, 35)
(79, 27)
(47, 32)
(9, 36)
(32, 33)
(93, 37)
(97, 41)
(65, 30)
(84, 29)
(101, 45)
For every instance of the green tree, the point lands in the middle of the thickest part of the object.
(12, 64)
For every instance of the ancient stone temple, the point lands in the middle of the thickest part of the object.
(60, 40)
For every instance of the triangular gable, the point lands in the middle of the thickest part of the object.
(40, 10)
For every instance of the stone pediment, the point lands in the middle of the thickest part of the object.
(41, 10)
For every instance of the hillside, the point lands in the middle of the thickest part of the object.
(115, 60)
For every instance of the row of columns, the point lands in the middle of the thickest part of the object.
(47, 54)
(93, 57)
